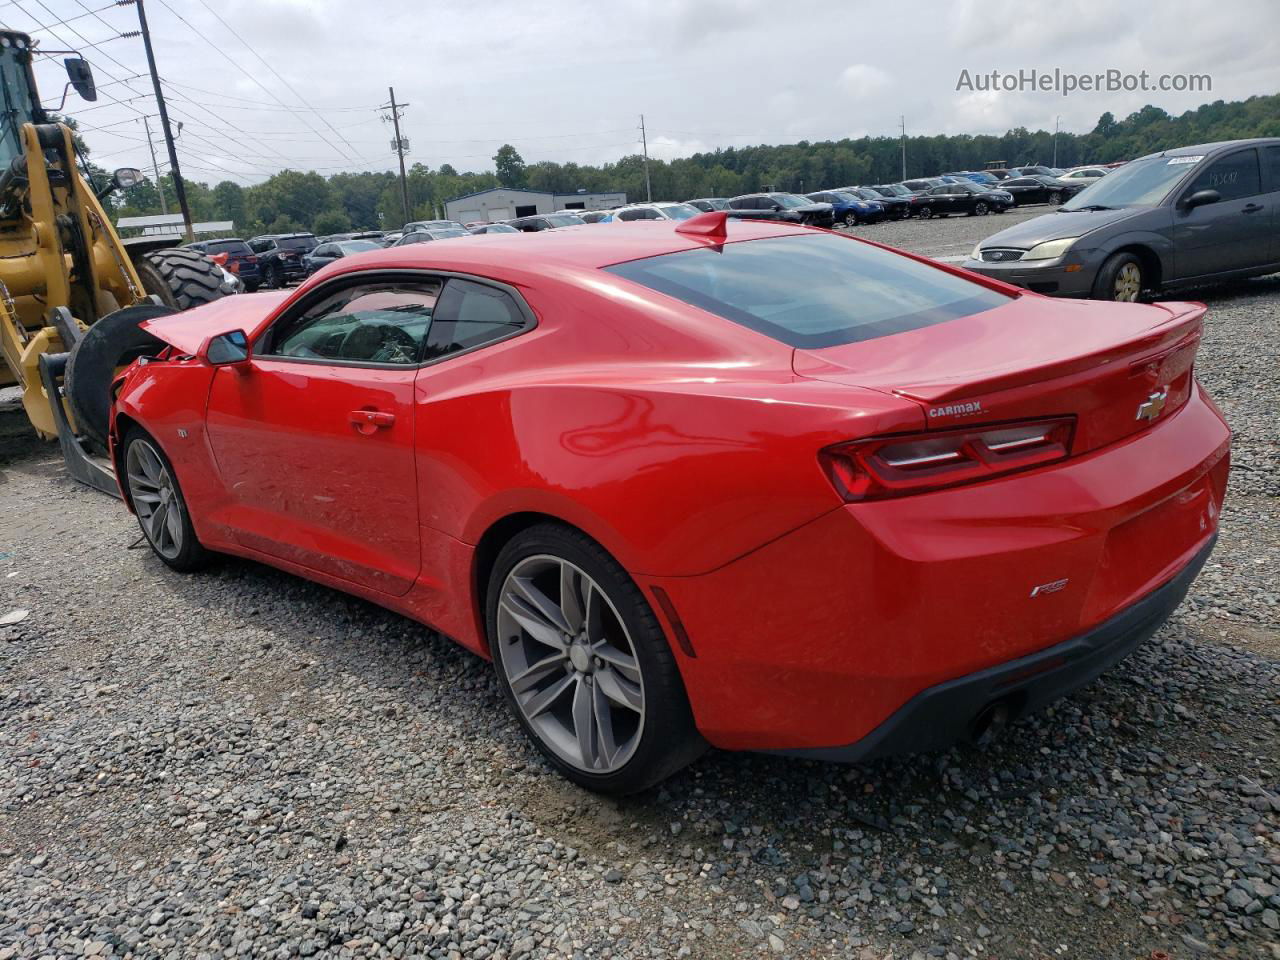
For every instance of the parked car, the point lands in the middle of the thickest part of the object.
(652, 211)
(354, 235)
(327, 253)
(895, 207)
(1085, 175)
(893, 190)
(1040, 189)
(707, 204)
(389, 239)
(922, 184)
(1033, 171)
(241, 261)
(1000, 173)
(426, 236)
(787, 207)
(964, 197)
(545, 221)
(492, 228)
(849, 208)
(1166, 221)
(534, 464)
(280, 256)
(432, 225)
(594, 216)
(977, 176)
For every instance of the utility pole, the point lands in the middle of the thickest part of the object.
(644, 142)
(400, 148)
(174, 169)
(146, 122)
(1056, 122)
(902, 118)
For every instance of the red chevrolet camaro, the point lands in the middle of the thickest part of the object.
(747, 484)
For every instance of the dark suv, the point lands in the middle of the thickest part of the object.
(280, 256)
(788, 207)
(241, 260)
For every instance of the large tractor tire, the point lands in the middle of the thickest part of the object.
(113, 341)
(181, 278)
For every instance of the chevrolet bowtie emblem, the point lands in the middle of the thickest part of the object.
(1150, 408)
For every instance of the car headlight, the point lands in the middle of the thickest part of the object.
(1050, 249)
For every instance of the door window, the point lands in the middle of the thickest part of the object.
(371, 323)
(470, 315)
(1234, 176)
(1271, 166)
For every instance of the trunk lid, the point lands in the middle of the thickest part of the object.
(1117, 368)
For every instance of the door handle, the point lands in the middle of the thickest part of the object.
(1251, 208)
(369, 421)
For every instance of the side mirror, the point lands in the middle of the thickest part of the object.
(126, 177)
(777, 208)
(228, 348)
(1200, 198)
(81, 76)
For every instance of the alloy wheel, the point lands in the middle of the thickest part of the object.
(850, 219)
(925, 213)
(980, 208)
(570, 663)
(1055, 198)
(155, 498)
(1128, 283)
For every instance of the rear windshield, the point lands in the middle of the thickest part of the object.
(297, 243)
(819, 290)
(226, 246)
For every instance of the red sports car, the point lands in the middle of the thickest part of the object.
(748, 484)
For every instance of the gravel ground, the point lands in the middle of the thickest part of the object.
(243, 764)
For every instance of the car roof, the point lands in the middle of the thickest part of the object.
(508, 256)
(1200, 149)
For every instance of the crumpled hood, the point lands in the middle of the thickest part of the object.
(1055, 226)
(189, 330)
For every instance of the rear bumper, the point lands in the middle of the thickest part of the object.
(951, 711)
(816, 639)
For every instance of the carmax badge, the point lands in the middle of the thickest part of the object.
(1150, 408)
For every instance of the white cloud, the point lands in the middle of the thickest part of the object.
(862, 81)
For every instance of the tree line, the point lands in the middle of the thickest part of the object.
(294, 200)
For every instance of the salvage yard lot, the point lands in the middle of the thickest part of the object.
(242, 763)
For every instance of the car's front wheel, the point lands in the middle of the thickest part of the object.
(1055, 198)
(584, 663)
(926, 213)
(850, 219)
(274, 278)
(158, 502)
(1120, 279)
(979, 209)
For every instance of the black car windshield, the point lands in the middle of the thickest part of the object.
(894, 190)
(790, 201)
(813, 291)
(226, 246)
(297, 243)
(1140, 183)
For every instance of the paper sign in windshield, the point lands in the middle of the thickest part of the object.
(1174, 160)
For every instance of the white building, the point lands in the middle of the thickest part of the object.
(503, 203)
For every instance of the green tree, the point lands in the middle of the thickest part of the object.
(509, 166)
(228, 201)
(331, 221)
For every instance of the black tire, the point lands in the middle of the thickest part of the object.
(1055, 199)
(1105, 285)
(113, 341)
(979, 209)
(850, 219)
(668, 739)
(926, 213)
(251, 287)
(181, 278)
(273, 278)
(192, 555)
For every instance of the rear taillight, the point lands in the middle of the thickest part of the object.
(897, 466)
(251, 259)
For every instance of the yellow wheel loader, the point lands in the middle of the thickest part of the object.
(71, 293)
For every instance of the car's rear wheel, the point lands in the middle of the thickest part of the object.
(850, 219)
(585, 665)
(274, 277)
(1055, 198)
(979, 209)
(158, 502)
(1120, 279)
(926, 213)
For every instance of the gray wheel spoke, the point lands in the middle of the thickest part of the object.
(173, 523)
(533, 622)
(606, 746)
(571, 600)
(546, 697)
(620, 691)
(552, 666)
(623, 663)
(141, 480)
(156, 527)
(540, 602)
(584, 723)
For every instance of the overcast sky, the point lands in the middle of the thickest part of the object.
(567, 79)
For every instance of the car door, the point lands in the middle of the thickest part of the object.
(1271, 184)
(1231, 234)
(313, 436)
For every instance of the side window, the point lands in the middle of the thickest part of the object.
(471, 314)
(372, 323)
(1271, 169)
(626, 215)
(1234, 176)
